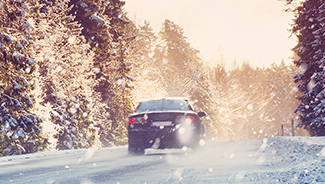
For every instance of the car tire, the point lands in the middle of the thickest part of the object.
(135, 150)
(196, 144)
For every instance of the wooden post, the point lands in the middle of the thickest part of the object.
(293, 127)
(70, 139)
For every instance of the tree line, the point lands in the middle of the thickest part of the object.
(61, 66)
(72, 70)
(308, 27)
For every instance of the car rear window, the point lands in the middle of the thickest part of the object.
(163, 105)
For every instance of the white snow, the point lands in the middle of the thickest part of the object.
(71, 40)
(16, 85)
(84, 5)
(17, 55)
(8, 38)
(292, 160)
(96, 70)
(98, 19)
(250, 107)
(271, 160)
(31, 61)
(48, 154)
(27, 25)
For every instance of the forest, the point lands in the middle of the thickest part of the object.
(72, 70)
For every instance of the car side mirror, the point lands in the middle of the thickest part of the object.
(201, 114)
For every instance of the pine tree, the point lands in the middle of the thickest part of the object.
(179, 63)
(219, 84)
(180, 68)
(148, 82)
(199, 91)
(252, 103)
(64, 92)
(20, 129)
(109, 32)
(249, 102)
(238, 104)
(175, 57)
(280, 98)
(309, 28)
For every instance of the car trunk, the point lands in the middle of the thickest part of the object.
(160, 129)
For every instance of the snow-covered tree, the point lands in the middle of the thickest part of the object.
(178, 63)
(64, 59)
(148, 82)
(237, 104)
(109, 32)
(181, 69)
(309, 27)
(280, 98)
(219, 84)
(20, 129)
(174, 56)
(252, 103)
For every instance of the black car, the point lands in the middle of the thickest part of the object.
(164, 123)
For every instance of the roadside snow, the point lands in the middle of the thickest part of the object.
(271, 160)
(45, 154)
(290, 160)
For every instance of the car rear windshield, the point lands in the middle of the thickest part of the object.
(163, 105)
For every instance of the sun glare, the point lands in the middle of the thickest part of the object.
(250, 31)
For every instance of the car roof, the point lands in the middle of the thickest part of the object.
(166, 98)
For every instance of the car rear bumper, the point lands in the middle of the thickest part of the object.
(167, 138)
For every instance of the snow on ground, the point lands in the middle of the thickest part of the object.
(291, 160)
(45, 154)
(271, 160)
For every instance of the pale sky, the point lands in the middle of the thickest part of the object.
(241, 30)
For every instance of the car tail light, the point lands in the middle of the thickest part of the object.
(132, 120)
(138, 120)
(191, 118)
(182, 118)
(142, 120)
(179, 118)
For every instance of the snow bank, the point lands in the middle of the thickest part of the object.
(290, 160)
(46, 154)
(276, 160)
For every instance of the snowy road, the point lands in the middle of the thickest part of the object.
(273, 160)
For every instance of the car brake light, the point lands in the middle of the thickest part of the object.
(188, 119)
(191, 118)
(143, 120)
(137, 120)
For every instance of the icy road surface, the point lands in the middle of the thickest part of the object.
(272, 160)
